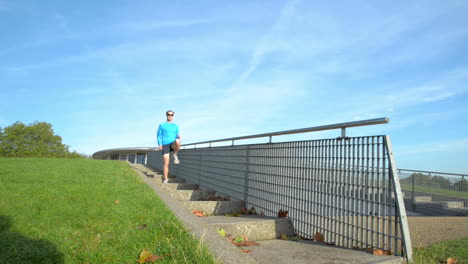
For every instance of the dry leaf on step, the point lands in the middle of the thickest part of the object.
(282, 213)
(199, 213)
(381, 252)
(319, 237)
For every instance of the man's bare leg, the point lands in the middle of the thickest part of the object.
(166, 166)
(176, 148)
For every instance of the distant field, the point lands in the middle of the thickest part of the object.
(86, 211)
(438, 191)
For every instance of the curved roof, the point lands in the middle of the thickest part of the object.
(103, 154)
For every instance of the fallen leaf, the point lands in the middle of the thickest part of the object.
(117, 202)
(246, 251)
(153, 258)
(144, 255)
(319, 237)
(452, 261)
(238, 239)
(381, 252)
(245, 237)
(282, 213)
(250, 243)
(252, 210)
(368, 250)
(142, 226)
(199, 213)
(222, 232)
(284, 237)
(244, 211)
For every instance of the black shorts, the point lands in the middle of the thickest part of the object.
(167, 148)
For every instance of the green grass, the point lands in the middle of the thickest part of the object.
(440, 252)
(432, 190)
(64, 211)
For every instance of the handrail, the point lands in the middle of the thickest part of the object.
(343, 127)
(434, 172)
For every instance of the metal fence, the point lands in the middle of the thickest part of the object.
(435, 193)
(345, 188)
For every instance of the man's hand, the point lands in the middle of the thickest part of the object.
(160, 147)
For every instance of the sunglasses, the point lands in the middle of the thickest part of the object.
(170, 114)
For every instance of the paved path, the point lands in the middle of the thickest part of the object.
(425, 230)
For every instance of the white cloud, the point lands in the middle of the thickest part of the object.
(268, 40)
(451, 145)
(372, 41)
(402, 95)
(444, 86)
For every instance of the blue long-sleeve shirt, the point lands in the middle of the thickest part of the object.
(167, 133)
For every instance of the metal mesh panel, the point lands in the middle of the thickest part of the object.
(435, 193)
(342, 188)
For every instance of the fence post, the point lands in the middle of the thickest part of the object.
(413, 199)
(246, 175)
(407, 247)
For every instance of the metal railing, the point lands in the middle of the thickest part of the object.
(345, 188)
(342, 126)
(435, 193)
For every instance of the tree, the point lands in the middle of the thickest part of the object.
(461, 185)
(419, 179)
(36, 140)
(441, 182)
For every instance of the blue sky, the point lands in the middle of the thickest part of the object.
(103, 73)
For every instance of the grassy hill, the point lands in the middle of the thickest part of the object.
(86, 211)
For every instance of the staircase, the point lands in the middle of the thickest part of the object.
(271, 238)
(222, 213)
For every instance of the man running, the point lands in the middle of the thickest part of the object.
(168, 141)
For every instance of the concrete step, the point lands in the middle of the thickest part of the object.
(153, 175)
(190, 195)
(146, 170)
(452, 204)
(423, 199)
(172, 186)
(159, 180)
(309, 252)
(215, 207)
(253, 226)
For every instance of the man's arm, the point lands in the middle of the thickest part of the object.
(159, 137)
(177, 133)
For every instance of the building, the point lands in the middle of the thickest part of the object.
(133, 155)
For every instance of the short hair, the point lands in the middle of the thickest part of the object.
(167, 112)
